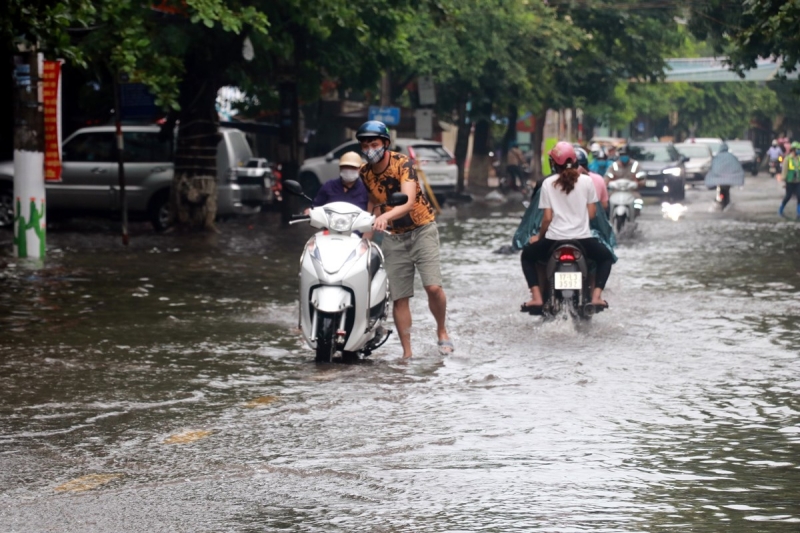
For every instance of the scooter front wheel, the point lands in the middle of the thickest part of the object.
(619, 223)
(326, 337)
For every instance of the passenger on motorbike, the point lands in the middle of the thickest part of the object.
(568, 201)
(348, 188)
(600, 161)
(597, 179)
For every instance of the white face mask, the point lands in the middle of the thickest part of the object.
(349, 175)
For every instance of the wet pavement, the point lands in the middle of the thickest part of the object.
(165, 387)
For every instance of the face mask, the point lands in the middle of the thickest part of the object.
(349, 175)
(624, 159)
(374, 155)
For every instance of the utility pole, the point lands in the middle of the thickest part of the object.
(123, 199)
(29, 191)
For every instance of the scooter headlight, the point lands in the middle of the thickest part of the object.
(340, 221)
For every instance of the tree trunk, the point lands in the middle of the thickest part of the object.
(510, 135)
(537, 143)
(194, 186)
(462, 142)
(481, 163)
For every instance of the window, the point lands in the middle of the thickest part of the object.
(146, 147)
(430, 152)
(94, 147)
(657, 153)
(695, 150)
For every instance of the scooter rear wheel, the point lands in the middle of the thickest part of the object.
(326, 337)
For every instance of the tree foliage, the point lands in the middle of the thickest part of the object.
(747, 30)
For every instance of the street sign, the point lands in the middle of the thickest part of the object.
(427, 91)
(388, 115)
(424, 123)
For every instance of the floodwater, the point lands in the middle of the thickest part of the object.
(165, 387)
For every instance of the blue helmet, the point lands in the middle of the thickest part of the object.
(373, 128)
(583, 158)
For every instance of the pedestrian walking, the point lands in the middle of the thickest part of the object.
(516, 160)
(413, 242)
(791, 178)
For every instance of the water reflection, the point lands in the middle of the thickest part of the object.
(675, 410)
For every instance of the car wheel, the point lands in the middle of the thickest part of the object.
(6, 208)
(159, 211)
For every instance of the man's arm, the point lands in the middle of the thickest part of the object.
(408, 187)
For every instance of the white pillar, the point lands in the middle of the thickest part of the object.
(29, 213)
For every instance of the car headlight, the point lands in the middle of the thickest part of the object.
(672, 171)
(339, 221)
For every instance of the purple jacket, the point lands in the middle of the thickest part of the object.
(333, 191)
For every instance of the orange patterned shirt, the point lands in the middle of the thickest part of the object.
(381, 186)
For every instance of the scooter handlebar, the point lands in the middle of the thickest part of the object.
(296, 219)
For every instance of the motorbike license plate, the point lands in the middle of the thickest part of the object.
(568, 281)
(650, 183)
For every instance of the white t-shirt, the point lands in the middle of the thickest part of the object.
(570, 215)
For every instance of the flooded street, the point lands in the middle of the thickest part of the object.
(165, 387)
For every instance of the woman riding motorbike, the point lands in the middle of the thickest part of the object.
(568, 200)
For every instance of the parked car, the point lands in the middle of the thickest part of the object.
(713, 142)
(438, 164)
(90, 183)
(746, 153)
(662, 169)
(432, 158)
(699, 162)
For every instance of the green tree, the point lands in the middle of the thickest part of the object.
(486, 55)
(750, 29)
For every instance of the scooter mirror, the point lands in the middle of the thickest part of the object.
(396, 199)
(293, 187)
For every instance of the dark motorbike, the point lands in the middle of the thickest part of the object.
(723, 196)
(775, 166)
(567, 282)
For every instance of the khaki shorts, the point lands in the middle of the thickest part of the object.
(408, 252)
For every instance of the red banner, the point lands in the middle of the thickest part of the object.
(51, 99)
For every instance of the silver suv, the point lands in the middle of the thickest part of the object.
(90, 182)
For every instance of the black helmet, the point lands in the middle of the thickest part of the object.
(583, 158)
(373, 128)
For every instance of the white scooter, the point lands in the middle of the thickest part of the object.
(623, 205)
(344, 291)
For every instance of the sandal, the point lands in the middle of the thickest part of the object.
(531, 309)
(446, 347)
